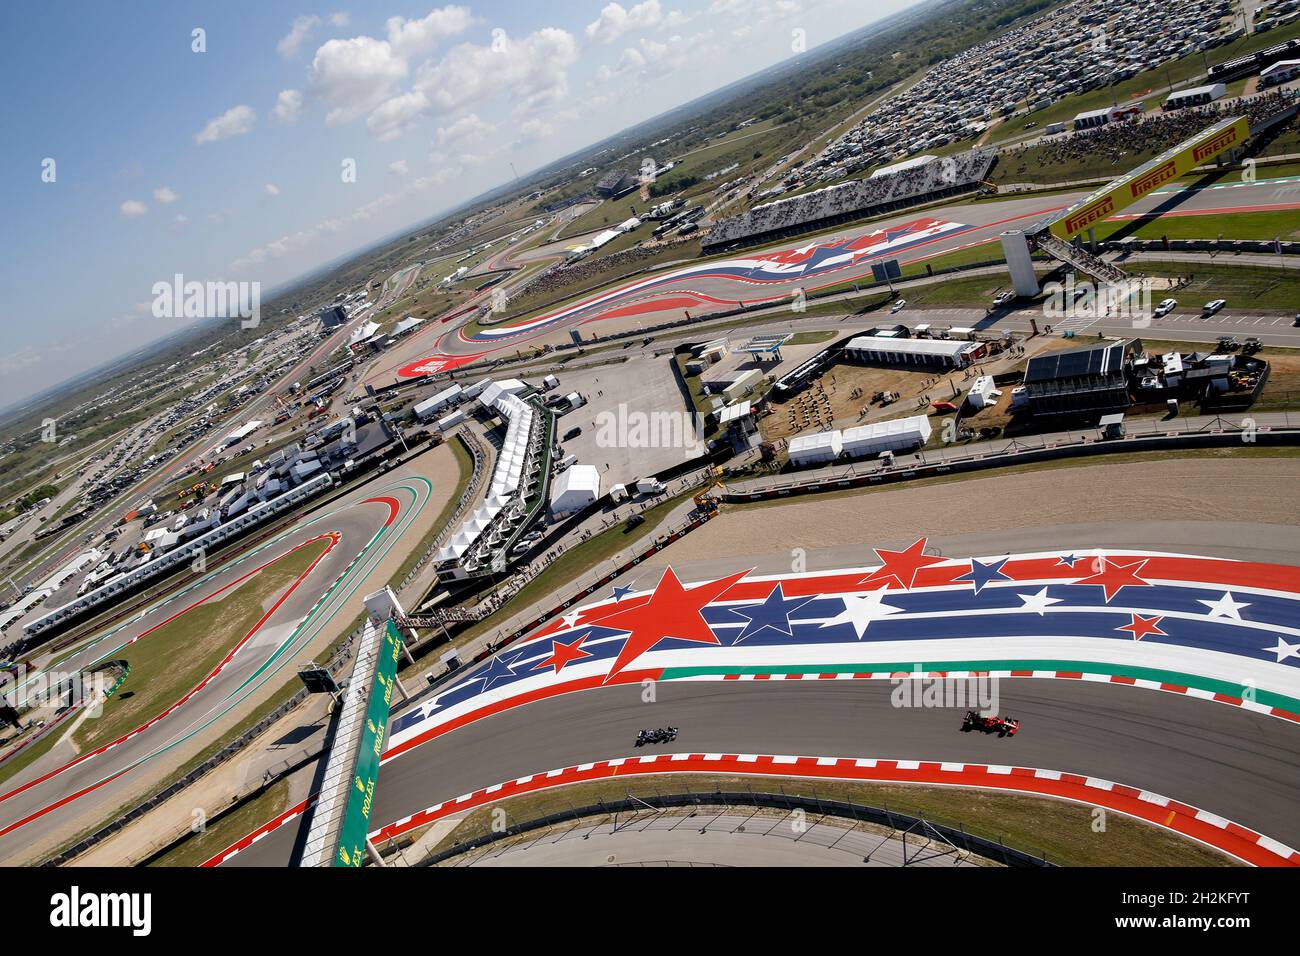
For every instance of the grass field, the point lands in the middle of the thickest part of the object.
(1283, 225)
(174, 658)
(1248, 288)
(1062, 832)
(213, 839)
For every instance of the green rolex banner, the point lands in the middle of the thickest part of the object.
(361, 797)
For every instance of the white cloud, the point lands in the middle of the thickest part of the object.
(288, 106)
(303, 238)
(272, 189)
(354, 76)
(362, 74)
(368, 76)
(393, 117)
(181, 219)
(298, 32)
(534, 130)
(165, 195)
(650, 58)
(468, 129)
(398, 167)
(340, 19)
(532, 71)
(413, 37)
(235, 121)
(133, 209)
(12, 360)
(615, 20)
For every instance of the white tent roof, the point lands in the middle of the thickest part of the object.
(817, 441)
(575, 488)
(917, 425)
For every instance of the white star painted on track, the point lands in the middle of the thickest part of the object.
(1039, 602)
(1225, 607)
(571, 619)
(1284, 650)
(861, 609)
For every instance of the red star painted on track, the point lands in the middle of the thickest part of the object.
(900, 567)
(562, 654)
(672, 611)
(1142, 626)
(1114, 576)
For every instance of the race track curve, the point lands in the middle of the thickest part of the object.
(60, 793)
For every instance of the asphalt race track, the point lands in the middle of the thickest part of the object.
(46, 798)
(811, 263)
(1225, 760)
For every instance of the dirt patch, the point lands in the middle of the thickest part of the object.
(843, 396)
(1174, 489)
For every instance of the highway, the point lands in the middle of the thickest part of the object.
(1232, 762)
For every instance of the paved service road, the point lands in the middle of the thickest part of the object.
(1225, 760)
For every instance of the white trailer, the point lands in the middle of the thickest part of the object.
(450, 421)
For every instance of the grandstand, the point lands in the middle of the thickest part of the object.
(853, 200)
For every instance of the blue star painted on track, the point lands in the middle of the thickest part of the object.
(1066, 559)
(498, 668)
(621, 591)
(774, 612)
(982, 574)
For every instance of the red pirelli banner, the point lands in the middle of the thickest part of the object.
(1167, 167)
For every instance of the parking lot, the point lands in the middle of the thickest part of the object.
(633, 422)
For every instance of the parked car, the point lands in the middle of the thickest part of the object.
(1003, 298)
(1213, 306)
(526, 542)
(1165, 307)
(572, 433)
(898, 306)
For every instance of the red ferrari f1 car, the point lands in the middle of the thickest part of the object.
(990, 724)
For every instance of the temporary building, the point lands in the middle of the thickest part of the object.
(509, 386)
(816, 449)
(431, 406)
(981, 392)
(576, 488)
(894, 435)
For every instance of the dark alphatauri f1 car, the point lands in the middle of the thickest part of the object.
(661, 735)
(989, 724)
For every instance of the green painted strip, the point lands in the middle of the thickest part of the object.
(1196, 681)
(361, 796)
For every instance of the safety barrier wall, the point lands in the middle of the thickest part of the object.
(788, 803)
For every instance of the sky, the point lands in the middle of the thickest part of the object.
(256, 141)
